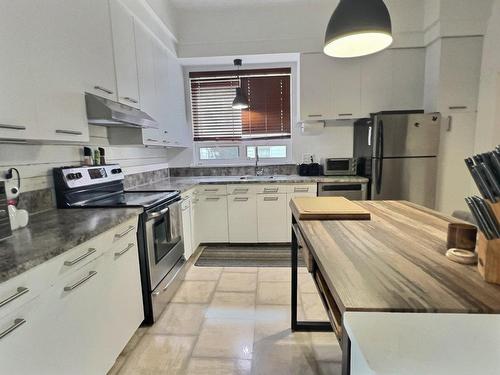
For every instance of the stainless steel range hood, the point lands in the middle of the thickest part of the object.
(105, 112)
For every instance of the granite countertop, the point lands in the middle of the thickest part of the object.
(185, 183)
(53, 232)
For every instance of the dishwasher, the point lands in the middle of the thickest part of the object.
(349, 190)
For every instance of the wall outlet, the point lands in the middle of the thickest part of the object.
(308, 158)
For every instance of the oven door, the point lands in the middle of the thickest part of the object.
(164, 241)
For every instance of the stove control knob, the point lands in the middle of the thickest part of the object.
(116, 171)
(78, 175)
(71, 176)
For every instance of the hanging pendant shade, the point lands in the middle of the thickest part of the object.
(358, 28)
(240, 101)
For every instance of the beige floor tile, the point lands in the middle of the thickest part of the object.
(180, 319)
(271, 321)
(215, 366)
(313, 307)
(302, 270)
(227, 338)
(233, 305)
(195, 292)
(134, 341)
(273, 293)
(203, 273)
(237, 282)
(241, 269)
(326, 347)
(306, 283)
(159, 354)
(285, 354)
(274, 274)
(330, 368)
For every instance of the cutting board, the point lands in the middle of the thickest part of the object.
(327, 208)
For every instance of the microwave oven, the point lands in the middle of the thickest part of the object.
(340, 167)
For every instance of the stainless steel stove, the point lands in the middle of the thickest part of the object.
(161, 247)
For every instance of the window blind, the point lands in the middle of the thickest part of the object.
(268, 114)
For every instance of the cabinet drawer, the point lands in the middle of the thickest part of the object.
(212, 190)
(125, 231)
(306, 254)
(273, 189)
(303, 188)
(237, 189)
(332, 310)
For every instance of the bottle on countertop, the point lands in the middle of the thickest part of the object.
(102, 156)
(97, 157)
(87, 156)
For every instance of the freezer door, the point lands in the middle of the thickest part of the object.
(403, 135)
(411, 179)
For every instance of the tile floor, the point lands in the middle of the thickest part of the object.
(233, 321)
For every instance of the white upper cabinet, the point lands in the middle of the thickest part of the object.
(122, 22)
(376, 81)
(346, 74)
(408, 77)
(162, 81)
(17, 97)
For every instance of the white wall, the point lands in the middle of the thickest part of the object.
(205, 29)
(488, 118)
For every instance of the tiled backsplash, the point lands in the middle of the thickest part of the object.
(36, 200)
(142, 178)
(286, 169)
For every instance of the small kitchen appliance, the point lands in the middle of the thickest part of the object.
(159, 235)
(340, 167)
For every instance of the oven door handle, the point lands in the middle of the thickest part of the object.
(154, 215)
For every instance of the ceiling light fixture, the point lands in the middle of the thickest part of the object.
(358, 28)
(240, 101)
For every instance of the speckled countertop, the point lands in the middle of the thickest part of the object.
(53, 232)
(185, 183)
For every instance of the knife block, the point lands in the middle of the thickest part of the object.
(488, 252)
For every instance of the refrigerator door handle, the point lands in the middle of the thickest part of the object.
(369, 136)
(380, 156)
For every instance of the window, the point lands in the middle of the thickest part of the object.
(219, 153)
(267, 152)
(268, 114)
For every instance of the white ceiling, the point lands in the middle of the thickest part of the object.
(197, 4)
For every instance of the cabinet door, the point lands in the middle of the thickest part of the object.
(271, 218)
(195, 237)
(211, 219)
(316, 87)
(346, 75)
(17, 96)
(187, 228)
(408, 76)
(124, 50)
(376, 83)
(242, 216)
(163, 113)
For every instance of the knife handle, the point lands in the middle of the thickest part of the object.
(482, 184)
(479, 220)
(494, 182)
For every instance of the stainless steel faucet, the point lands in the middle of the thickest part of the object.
(258, 172)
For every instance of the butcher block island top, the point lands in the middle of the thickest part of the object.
(395, 262)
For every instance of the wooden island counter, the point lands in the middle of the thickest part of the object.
(394, 262)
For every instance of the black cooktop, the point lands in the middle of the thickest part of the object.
(132, 199)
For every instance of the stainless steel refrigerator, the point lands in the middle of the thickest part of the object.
(398, 152)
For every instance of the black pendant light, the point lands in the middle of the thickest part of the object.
(358, 28)
(240, 101)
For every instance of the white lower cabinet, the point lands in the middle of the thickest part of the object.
(82, 321)
(242, 217)
(271, 218)
(211, 218)
(187, 230)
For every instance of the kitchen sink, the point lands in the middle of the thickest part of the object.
(257, 177)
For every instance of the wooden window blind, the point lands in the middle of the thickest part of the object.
(268, 114)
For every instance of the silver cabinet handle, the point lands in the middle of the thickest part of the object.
(70, 132)
(69, 288)
(240, 190)
(17, 323)
(100, 88)
(89, 252)
(314, 115)
(152, 140)
(120, 253)
(129, 99)
(345, 114)
(458, 107)
(20, 291)
(211, 190)
(122, 234)
(267, 199)
(271, 190)
(300, 190)
(212, 199)
(241, 199)
(12, 127)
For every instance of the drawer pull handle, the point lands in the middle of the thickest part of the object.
(70, 132)
(104, 89)
(300, 190)
(71, 287)
(212, 199)
(244, 199)
(270, 190)
(268, 199)
(120, 253)
(129, 99)
(89, 252)
(12, 127)
(314, 115)
(122, 234)
(17, 323)
(152, 140)
(458, 107)
(211, 190)
(345, 114)
(20, 291)
(241, 190)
